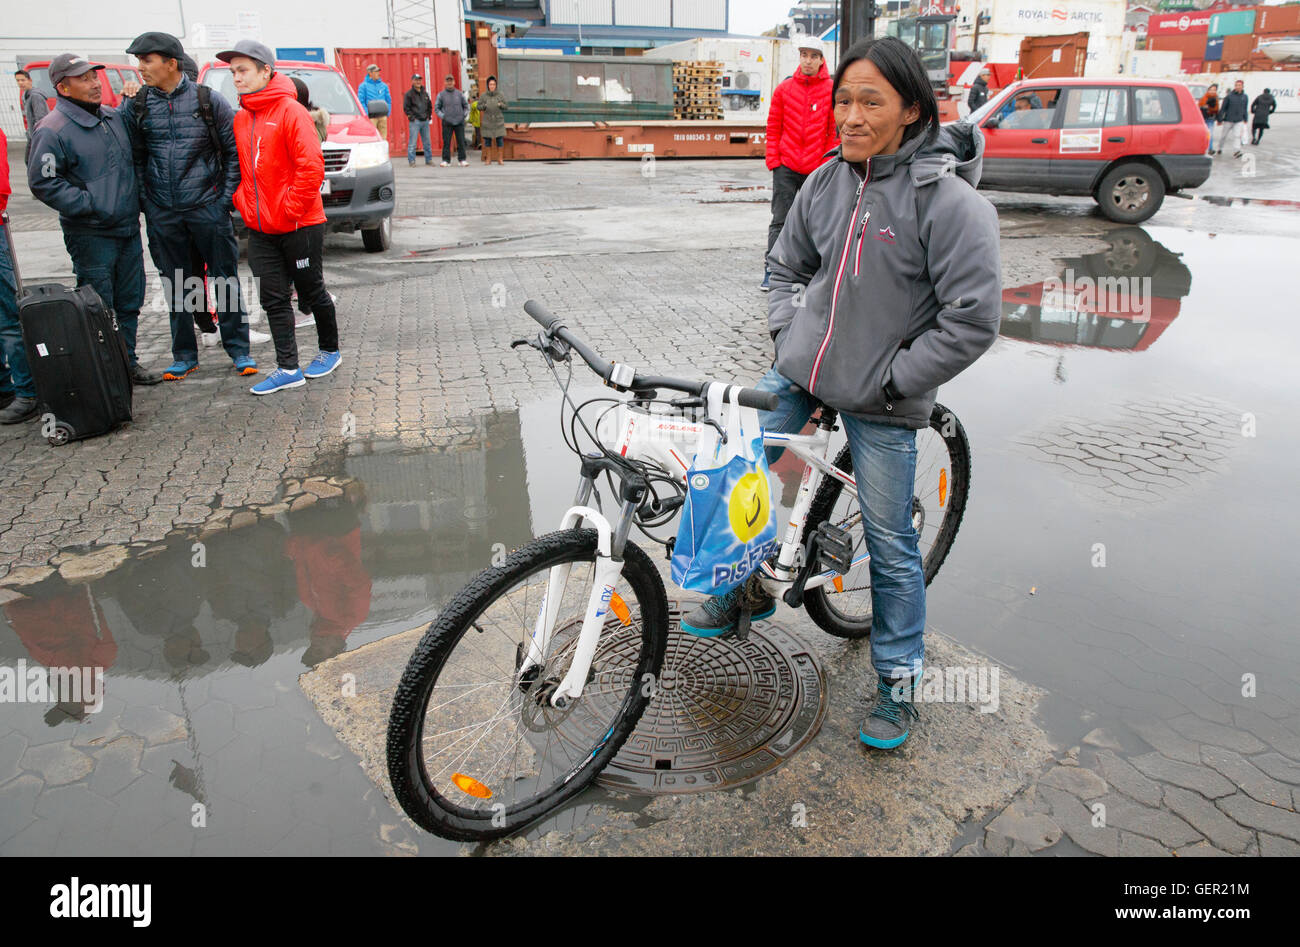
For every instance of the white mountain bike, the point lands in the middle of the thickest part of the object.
(535, 673)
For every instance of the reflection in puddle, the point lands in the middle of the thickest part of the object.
(201, 640)
(1121, 299)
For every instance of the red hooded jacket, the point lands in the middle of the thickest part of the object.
(801, 122)
(280, 162)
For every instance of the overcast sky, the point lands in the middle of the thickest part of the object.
(752, 17)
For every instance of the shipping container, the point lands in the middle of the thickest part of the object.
(1278, 19)
(1178, 24)
(1214, 49)
(1153, 63)
(1044, 57)
(1044, 17)
(1232, 23)
(396, 67)
(1237, 49)
(585, 88)
(1191, 46)
(1192, 65)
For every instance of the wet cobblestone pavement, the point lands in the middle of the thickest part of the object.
(336, 516)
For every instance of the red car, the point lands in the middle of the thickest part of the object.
(1124, 142)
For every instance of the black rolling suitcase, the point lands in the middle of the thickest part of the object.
(77, 357)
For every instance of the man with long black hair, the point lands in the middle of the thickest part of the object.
(886, 283)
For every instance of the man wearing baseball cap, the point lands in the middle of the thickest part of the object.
(800, 131)
(372, 88)
(81, 165)
(418, 109)
(189, 168)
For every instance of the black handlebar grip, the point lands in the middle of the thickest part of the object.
(762, 400)
(543, 315)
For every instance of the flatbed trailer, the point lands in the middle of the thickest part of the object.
(661, 138)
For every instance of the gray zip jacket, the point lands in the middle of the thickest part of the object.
(893, 279)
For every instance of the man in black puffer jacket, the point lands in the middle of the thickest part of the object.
(188, 169)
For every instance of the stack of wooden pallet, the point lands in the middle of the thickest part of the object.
(697, 89)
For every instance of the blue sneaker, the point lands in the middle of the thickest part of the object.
(280, 378)
(246, 365)
(719, 616)
(323, 364)
(179, 369)
(886, 726)
(766, 285)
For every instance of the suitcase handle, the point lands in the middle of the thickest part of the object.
(13, 255)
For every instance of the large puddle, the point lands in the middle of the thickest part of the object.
(1128, 545)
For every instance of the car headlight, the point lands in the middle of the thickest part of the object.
(370, 154)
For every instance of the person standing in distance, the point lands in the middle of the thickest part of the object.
(374, 88)
(281, 168)
(800, 131)
(452, 108)
(418, 108)
(35, 107)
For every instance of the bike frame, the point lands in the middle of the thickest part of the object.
(670, 441)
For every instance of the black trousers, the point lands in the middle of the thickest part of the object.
(785, 185)
(282, 262)
(182, 244)
(1257, 134)
(447, 131)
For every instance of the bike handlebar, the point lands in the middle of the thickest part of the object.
(746, 397)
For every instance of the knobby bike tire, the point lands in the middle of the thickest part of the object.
(816, 601)
(406, 770)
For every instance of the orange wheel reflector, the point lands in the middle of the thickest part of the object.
(619, 608)
(943, 486)
(838, 582)
(470, 785)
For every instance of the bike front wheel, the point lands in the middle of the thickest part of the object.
(941, 487)
(474, 753)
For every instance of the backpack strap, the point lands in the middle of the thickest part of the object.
(210, 119)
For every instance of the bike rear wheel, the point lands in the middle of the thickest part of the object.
(472, 754)
(939, 496)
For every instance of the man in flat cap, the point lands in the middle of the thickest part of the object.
(81, 165)
(188, 168)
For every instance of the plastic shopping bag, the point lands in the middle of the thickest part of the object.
(728, 525)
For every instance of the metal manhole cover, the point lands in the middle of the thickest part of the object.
(725, 712)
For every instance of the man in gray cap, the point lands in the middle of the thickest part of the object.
(81, 165)
(188, 168)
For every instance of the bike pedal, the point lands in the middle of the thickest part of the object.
(742, 625)
(834, 548)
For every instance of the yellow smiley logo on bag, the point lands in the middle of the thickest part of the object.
(749, 508)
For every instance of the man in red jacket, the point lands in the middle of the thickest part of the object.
(281, 169)
(800, 130)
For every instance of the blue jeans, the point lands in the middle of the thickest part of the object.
(884, 467)
(420, 130)
(114, 267)
(16, 377)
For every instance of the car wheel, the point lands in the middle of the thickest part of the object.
(378, 239)
(1132, 253)
(1131, 193)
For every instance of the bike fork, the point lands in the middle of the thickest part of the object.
(609, 566)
